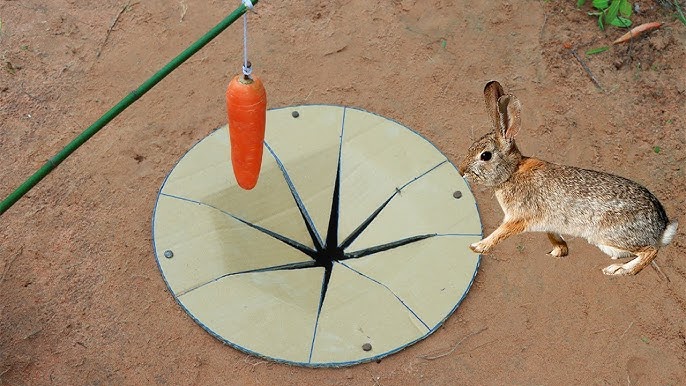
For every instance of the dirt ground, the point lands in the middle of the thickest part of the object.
(83, 302)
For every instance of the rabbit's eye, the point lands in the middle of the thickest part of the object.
(485, 156)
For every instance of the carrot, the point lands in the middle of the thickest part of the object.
(246, 105)
(636, 31)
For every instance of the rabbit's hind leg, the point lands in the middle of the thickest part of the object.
(613, 252)
(559, 245)
(644, 257)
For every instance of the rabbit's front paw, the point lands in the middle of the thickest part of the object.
(479, 247)
(615, 270)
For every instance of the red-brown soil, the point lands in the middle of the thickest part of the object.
(82, 300)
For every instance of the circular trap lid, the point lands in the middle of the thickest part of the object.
(352, 246)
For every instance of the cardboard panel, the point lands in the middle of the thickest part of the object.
(308, 147)
(205, 174)
(430, 276)
(425, 206)
(207, 244)
(271, 314)
(356, 311)
(378, 156)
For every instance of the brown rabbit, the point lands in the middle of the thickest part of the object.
(619, 216)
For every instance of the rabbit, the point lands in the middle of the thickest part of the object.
(618, 215)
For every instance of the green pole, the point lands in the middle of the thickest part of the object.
(52, 163)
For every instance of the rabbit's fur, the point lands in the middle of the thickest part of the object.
(619, 216)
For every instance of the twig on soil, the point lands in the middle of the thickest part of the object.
(432, 357)
(545, 20)
(109, 30)
(184, 8)
(483, 344)
(375, 379)
(9, 264)
(629, 47)
(494, 257)
(588, 70)
(449, 82)
(625, 331)
(659, 271)
(201, 60)
(599, 331)
(33, 333)
(253, 364)
(628, 52)
(309, 95)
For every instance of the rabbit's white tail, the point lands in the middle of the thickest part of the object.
(669, 233)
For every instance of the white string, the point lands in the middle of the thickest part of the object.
(247, 69)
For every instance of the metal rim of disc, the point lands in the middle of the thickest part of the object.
(352, 246)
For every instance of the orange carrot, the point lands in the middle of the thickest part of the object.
(246, 105)
(636, 31)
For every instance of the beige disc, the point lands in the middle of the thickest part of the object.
(352, 246)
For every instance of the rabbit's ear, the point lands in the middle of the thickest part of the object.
(510, 116)
(492, 92)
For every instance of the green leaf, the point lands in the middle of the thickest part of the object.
(600, 23)
(612, 11)
(580, 3)
(601, 4)
(656, 149)
(679, 12)
(625, 8)
(621, 22)
(597, 50)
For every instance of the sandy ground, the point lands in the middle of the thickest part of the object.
(82, 300)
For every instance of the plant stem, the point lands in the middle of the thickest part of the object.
(680, 13)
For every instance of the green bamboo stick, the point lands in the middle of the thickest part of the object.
(53, 162)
